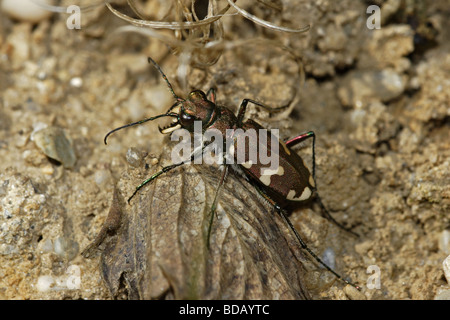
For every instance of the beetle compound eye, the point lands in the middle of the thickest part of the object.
(186, 117)
(197, 95)
(187, 120)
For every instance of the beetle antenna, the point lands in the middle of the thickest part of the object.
(174, 115)
(150, 60)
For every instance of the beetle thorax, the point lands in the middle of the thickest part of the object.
(196, 108)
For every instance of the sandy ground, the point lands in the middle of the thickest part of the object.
(378, 101)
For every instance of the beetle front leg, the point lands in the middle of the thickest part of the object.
(211, 95)
(192, 157)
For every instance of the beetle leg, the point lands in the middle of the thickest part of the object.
(192, 157)
(330, 217)
(300, 138)
(303, 245)
(211, 95)
(303, 137)
(281, 212)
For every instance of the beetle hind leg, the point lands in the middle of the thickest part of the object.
(326, 213)
(282, 213)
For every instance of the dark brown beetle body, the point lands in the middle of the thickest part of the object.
(291, 182)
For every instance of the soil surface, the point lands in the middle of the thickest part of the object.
(378, 101)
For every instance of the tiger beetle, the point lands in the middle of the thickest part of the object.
(291, 183)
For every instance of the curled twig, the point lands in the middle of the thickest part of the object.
(187, 48)
(197, 41)
(61, 9)
(168, 25)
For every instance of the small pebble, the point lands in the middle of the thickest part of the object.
(329, 258)
(65, 248)
(37, 126)
(101, 177)
(48, 170)
(45, 283)
(21, 140)
(443, 295)
(76, 82)
(26, 10)
(444, 241)
(446, 266)
(359, 88)
(7, 214)
(6, 249)
(154, 161)
(47, 246)
(134, 157)
(353, 293)
(56, 145)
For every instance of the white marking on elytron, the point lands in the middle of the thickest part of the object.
(311, 181)
(285, 147)
(306, 194)
(171, 129)
(248, 164)
(266, 174)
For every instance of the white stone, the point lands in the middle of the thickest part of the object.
(45, 283)
(446, 266)
(27, 10)
(444, 241)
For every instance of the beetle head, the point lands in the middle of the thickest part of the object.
(196, 107)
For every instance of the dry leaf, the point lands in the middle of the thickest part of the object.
(156, 247)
